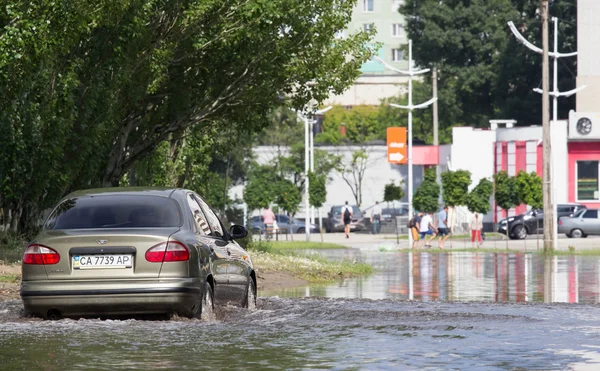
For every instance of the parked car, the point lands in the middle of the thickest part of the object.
(284, 222)
(336, 224)
(582, 224)
(387, 213)
(520, 226)
(135, 251)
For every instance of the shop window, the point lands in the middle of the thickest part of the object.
(587, 180)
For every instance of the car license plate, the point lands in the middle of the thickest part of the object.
(102, 261)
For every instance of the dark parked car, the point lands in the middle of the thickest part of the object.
(284, 222)
(582, 224)
(520, 226)
(135, 251)
(336, 224)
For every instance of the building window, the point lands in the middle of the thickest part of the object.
(396, 5)
(397, 30)
(587, 180)
(367, 26)
(368, 5)
(397, 55)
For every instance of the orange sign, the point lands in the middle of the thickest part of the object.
(396, 145)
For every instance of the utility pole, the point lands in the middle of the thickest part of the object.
(410, 107)
(308, 163)
(548, 160)
(435, 109)
(436, 141)
(547, 168)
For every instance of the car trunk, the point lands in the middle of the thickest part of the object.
(104, 254)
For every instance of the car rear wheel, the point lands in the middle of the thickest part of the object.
(250, 301)
(577, 233)
(520, 232)
(206, 311)
(301, 230)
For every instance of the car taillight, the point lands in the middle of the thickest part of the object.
(172, 251)
(40, 255)
(559, 222)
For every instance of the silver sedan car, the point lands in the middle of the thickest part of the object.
(125, 251)
(582, 224)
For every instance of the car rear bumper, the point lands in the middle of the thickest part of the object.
(164, 296)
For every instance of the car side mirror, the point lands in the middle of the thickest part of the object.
(238, 231)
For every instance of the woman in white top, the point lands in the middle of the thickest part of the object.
(476, 226)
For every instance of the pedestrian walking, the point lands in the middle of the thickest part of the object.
(415, 225)
(376, 218)
(476, 226)
(442, 227)
(269, 220)
(427, 229)
(347, 213)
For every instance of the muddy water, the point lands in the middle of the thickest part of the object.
(316, 334)
(464, 277)
(454, 321)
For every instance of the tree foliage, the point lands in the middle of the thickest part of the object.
(529, 189)
(353, 172)
(506, 194)
(393, 192)
(91, 88)
(261, 189)
(455, 187)
(288, 196)
(427, 195)
(317, 190)
(484, 72)
(478, 200)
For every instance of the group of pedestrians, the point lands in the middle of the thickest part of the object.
(423, 225)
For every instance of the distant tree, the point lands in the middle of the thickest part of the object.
(260, 190)
(427, 195)
(393, 192)
(529, 189)
(287, 196)
(353, 172)
(317, 191)
(478, 200)
(505, 195)
(455, 187)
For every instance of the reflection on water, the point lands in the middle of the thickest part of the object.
(464, 276)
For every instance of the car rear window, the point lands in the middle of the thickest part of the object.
(115, 211)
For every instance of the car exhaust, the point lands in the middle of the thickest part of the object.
(54, 315)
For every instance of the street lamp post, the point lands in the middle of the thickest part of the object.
(555, 95)
(410, 107)
(309, 165)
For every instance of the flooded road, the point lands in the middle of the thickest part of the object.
(317, 334)
(464, 276)
(419, 311)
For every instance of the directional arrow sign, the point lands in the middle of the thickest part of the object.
(396, 145)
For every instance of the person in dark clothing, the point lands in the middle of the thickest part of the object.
(347, 218)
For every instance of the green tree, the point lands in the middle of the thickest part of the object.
(353, 172)
(455, 187)
(261, 189)
(505, 193)
(529, 189)
(483, 71)
(91, 88)
(288, 196)
(317, 191)
(427, 195)
(393, 192)
(478, 200)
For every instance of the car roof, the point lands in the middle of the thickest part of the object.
(130, 191)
